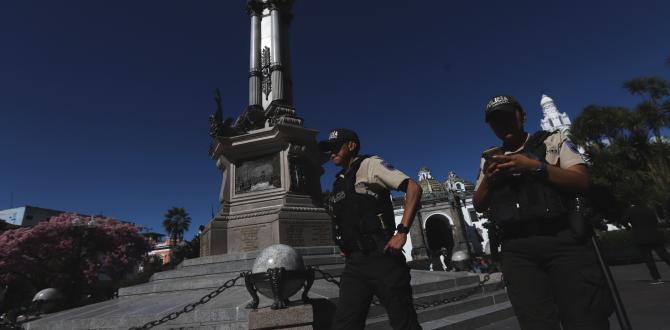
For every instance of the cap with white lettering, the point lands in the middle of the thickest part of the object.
(337, 137)
(501, 103)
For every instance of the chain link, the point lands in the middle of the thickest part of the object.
(190, 307)
(326, 276)
(459, 297)
(466, 294)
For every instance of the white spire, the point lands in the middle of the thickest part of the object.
(547, 104)
(553, 119)
(424, 173)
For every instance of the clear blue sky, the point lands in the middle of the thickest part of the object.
(104, 104)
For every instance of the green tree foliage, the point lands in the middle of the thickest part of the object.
(176, 222)
(630, 158)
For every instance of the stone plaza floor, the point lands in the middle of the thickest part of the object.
(647, 305)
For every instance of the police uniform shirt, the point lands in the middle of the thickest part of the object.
(376, 175)
(560, 152)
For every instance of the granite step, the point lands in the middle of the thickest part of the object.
(431, 296)
(422, 281)
(472, 319)
(209, 277)
(237, 266)
(427, 290)
(449, 312)
(219, 258)
(199, 283)
(226, 311)
(197, 278)
(206, 283)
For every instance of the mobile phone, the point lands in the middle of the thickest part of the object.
(490, 152)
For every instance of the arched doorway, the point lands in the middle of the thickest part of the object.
(439, 233)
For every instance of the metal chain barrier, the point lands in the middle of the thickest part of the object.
(326, 276)
(461, 296)
(466, 294)
(190, 307)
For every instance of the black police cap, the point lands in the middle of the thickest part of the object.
(501, 103)
(337, 137)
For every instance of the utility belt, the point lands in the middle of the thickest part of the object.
(532, 228)
(365, 243)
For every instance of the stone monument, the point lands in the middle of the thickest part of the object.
(269, 195)
(271, 165)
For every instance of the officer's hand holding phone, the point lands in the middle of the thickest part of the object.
(515, 163)
(492, 158)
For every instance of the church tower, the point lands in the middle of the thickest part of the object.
(429, 184)
(553, 120)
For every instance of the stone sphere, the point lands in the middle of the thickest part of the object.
(48, 300)
(460, 260)
(277, 256)
(48, 294)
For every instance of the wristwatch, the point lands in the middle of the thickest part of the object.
(402, 229)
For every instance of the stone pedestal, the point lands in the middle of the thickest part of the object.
(293, 317)
(316, 315)
(271, 192)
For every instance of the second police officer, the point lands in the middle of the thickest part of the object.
(528, 186)
(364, 228)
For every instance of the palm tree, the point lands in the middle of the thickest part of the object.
(176, 222)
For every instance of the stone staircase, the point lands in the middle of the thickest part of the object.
(170, 291)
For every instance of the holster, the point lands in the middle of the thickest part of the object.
(365, 243)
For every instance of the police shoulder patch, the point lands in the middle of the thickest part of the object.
(387, 165)
(572, 146)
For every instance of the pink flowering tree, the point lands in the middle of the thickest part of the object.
(74, 256)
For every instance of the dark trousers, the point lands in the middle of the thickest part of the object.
(382, 275)
(437, 262)
(554, 280)
(645, 250)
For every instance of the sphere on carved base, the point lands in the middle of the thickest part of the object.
(48, 300)
(460, 260)
(278, 256)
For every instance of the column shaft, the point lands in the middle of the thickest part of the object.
(255, 61)
(277, 77)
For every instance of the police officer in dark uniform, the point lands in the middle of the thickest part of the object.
(528, 185)
(364, 228)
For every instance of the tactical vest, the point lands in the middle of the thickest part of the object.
(523, 197)
(361, 222)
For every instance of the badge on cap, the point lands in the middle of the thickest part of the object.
(498, 100)
(333, 135)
